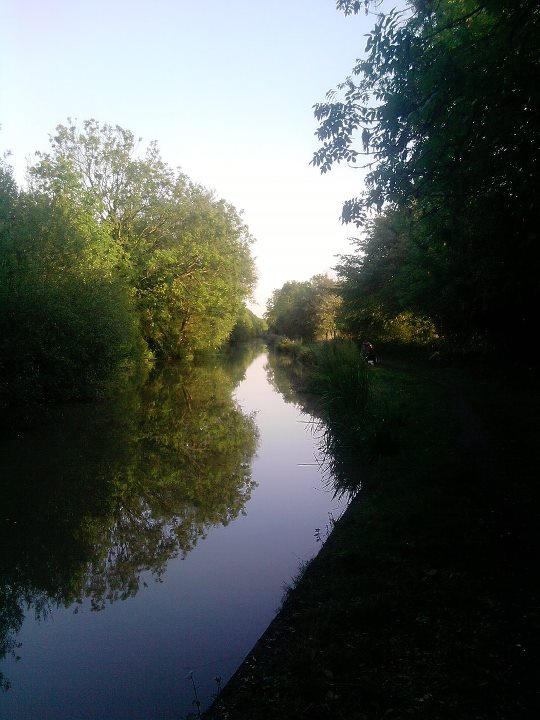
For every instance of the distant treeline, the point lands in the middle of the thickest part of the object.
(109, 259)
(443, 113)
(309, 310)
(248, 326)
(320, 309)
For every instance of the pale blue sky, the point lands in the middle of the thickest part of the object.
(225, 87)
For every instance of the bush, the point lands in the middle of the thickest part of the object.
(296, 349)
(68, 328)
(67, 341)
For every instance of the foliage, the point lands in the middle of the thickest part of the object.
(248, 326)
(326, 307)
(378, 286)
(305, 310)
(295, 349)
(444, 106)
(110, 257)
(188, 252)
(339, 375)
(67, 326)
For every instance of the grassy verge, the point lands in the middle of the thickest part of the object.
(423, 602)
(362, 423)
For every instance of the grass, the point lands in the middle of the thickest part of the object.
(423, 603)
(340, 378)
(360, 422)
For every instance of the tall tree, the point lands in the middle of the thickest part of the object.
(443, 110)
(187, 251)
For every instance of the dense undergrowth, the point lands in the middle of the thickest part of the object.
(359, 422)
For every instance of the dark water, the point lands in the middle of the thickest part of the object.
(153, 538)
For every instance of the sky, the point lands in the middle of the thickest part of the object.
(226, 87)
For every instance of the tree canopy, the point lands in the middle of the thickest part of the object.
(111, 256)
(188, 252)
(67, 321)
(248, 326)
(442, 112)
(305, 310)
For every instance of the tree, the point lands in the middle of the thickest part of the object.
(248, 326)
(67, 323)
(192, 279)
(110, 254)
(444, 107)
(188, 252)
(98, 167)
(305, 310)
(289, 311)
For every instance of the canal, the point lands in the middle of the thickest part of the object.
(146, 545)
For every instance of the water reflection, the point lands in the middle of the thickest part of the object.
(338, 459)
(101, 495)
(285, 376)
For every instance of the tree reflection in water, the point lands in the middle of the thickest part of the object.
(100, 496)
(338, 458)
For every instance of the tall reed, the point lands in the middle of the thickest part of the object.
(340, 376)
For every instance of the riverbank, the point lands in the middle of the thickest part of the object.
(423, 601)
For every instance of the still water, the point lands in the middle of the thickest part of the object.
(152, 539)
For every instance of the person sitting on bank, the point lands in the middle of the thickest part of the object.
(368, 351)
